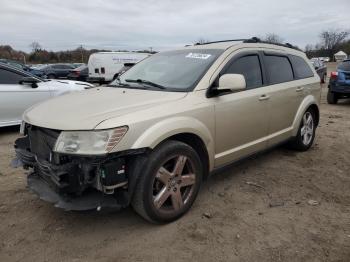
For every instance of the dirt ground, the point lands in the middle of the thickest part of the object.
(280, 206)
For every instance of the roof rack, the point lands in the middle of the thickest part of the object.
(251, 40)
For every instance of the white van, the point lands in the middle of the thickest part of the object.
(105, 66)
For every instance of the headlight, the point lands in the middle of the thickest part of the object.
(89, 142)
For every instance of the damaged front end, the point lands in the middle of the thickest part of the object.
(77, 182)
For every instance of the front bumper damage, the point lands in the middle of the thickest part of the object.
(78, 182)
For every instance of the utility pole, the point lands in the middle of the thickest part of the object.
(81, 52)
(150, 49)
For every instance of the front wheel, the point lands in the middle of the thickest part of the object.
(306, 133)
(169, 183)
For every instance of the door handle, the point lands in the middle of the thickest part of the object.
(299, 89)
(264, 97)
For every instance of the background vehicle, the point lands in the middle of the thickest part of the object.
(56, 70)
(105, 66)
(320, 68)
(27, 68)
(80, 73)
(339, 83)
(19, 90)
(152, 135)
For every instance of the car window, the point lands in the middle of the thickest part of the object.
(278, 68)
(56, 67)
(8, 77)
(249, 66)
(301, 68)
(66, 67)
(345, 66)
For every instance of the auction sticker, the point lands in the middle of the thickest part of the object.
(198, 56)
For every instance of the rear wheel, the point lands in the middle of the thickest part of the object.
(332, 98)
(169, 183)
(306, 133)
(51, 76)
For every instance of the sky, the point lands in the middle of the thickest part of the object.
(163, 24)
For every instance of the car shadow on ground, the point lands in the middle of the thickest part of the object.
(9, 130)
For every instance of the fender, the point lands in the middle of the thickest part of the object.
(172, 126)
(305, 104)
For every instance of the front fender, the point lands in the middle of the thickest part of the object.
(166, 128)
(305, 104)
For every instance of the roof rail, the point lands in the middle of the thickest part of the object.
(251, 40)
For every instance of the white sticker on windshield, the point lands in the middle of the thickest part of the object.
(198, 56)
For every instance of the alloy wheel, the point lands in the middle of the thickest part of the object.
(173, 184)
(307, 129)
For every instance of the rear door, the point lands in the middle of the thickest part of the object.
(16, 98)
(284, 94)
(242, 117)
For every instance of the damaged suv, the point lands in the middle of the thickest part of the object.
(151, 136)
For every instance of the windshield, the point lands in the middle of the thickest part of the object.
(345, 65)
(171, 71)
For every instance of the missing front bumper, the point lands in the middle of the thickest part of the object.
(87, 201)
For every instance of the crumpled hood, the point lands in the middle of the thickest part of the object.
(71, 83)
(85, 110)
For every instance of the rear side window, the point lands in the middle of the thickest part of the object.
(8, 77)
(301, 68)
(345, 66)
(279, 69)
(249, 66)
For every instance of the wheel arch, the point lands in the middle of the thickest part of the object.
(185, 129)
(308, 102)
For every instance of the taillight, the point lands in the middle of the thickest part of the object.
(334, 75)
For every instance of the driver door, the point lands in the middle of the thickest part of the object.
(16, 98)
(242, 117)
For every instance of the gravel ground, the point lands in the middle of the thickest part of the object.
(279, 206)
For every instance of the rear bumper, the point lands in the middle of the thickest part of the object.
(339, 88)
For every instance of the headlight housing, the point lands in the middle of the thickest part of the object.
(89, 142)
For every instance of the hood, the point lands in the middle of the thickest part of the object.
(85, 110)
(70, 83)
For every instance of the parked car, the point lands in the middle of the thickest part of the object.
(151, 136)
(19, 90)
(80, 73)
(105, 66)
(339, 83)
(56, 71)
(320, 68)
(27, 68)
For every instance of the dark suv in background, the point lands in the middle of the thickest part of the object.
(339, 83)
(57, 70)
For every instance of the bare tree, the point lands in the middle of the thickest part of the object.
(332, 38)
(35, 46)
(201, 41)
(273, 38)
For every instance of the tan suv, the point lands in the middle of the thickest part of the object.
(153, 135)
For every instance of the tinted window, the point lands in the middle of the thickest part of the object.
(279, 69)
(249, 66)
(344, 66)
(8, 77)
(301, 68)
(56, 67)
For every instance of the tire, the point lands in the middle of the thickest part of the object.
(332, 97)
(169, 183)
(306, 133)
(324, 78)
(51, 76)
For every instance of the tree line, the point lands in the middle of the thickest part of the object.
(330, 42)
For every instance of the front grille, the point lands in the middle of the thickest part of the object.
(42, 141)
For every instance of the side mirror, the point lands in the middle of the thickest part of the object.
(233, 82)
(29, 81)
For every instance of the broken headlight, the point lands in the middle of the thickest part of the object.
(89, 142)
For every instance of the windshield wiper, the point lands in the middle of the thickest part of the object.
(146, 82)
(118, 84)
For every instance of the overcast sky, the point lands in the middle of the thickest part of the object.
(163, 24)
